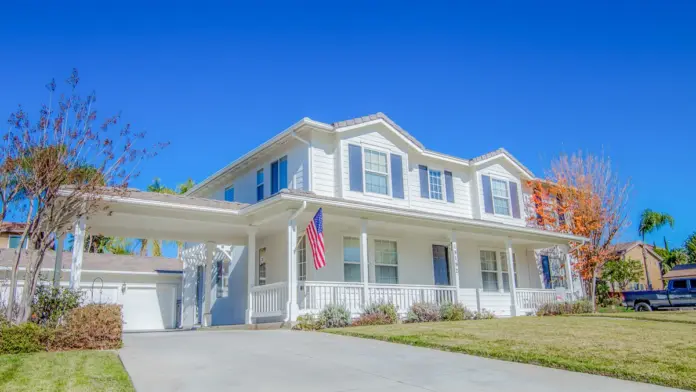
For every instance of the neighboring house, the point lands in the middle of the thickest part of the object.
(148, 288)
(402, 224)
(683, 271)
(634, 250)
(11, 234)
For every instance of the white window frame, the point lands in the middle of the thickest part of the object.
(302, 259)
(442, 185)
(343, 247)
(376, 264)
(497, 264)
(387, 154)
(499, 254)
(493, 196)
(19, 237)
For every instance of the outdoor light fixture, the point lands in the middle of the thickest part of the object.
(123, 288)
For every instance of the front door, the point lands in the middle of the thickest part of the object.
(441, 265)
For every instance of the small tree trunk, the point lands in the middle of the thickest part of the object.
(30, 281)
(594, 290)
(15, 268)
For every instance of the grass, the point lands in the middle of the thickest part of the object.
(72, 371)
(655, 352)
(688, 317)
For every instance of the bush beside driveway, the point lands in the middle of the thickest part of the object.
(657, 352)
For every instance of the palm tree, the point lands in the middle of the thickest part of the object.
(651, 221)
(185, 187)
(119, 246)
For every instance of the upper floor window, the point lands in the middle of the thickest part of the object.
(501, 197)
(435, 184)
(376, 172)
(279, 175)
(13, 241)
(259, 185)
(229, 194)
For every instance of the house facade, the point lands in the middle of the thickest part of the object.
(650, 280)
(402, 224)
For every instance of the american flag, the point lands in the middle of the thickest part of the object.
(315, 233)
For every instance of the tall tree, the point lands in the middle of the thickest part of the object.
(690, 247)
(65, 164)
(651, 221)
(621, 272)
(582, 195)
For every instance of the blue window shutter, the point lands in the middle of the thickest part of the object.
(514, 200)
(546, 268)
(397, 173)
(561, 217)
(449, 186)
(283, 181)
(355, 170)
(274, 178)
(229, 194)
(487, 194)
(423, 176)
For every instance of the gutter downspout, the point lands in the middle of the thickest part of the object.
(309, 160)
(292, 306)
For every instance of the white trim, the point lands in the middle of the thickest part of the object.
(502, 154)
(509, 196)
(442, 185)
(108, 272)
(365, 170)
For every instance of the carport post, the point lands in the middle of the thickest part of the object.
(251, 272)
(511, 277)
(455, 265)
(77, 253)
(209, 253)
(58, 268)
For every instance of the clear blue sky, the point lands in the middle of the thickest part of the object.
(464, 79)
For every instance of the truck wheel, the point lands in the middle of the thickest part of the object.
(642, 307)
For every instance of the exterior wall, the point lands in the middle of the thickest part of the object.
(503, 170)
(245, 183)
(325, 169)
(654, 269)
(4, 240)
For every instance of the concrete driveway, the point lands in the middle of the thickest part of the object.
(281, 360)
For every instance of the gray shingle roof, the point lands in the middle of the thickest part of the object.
(99, 261)
(377, 116)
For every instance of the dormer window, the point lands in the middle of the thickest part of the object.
(376, 172)
(501, 197)
(435, 184)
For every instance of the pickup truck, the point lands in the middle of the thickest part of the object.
(680, 293)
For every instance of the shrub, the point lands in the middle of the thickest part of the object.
(23, 338)
(484, 314)
(423, 312)
(385, 311)
(307, 323)
(372, 319)
(561, 308)
(90, 327)
(455, 312)
(51, 304)
(334, 316)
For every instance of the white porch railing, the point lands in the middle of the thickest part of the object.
(529, 300)
(314, 296)
(269, 300)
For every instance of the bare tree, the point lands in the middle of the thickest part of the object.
(65, 166)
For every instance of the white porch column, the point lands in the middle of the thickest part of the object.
(292, 308)
(511, 277)
(209, 253)
(365, 272)
(251, 272)
(77, 253)
(455, 264)
(569, 276)
(58, 268)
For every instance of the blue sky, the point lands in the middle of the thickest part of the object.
(464, 79)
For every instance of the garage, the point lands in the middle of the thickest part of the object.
(148, 288)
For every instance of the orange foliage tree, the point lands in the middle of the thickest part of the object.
(582, 195)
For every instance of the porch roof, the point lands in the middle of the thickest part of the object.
(148, 215)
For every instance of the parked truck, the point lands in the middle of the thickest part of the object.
(680, 293)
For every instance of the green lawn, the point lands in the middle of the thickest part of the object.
(688, 317)
(641, 350)
(64, 371)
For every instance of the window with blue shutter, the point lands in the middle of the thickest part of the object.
(259, 185)
(355, 171)
(449, 186)
(279, 175)
(397, 173)
(274, 177)
(487, 194)
(229, 194)
(423, 178)
(514, 200)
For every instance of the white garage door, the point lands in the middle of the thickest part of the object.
(149, 308)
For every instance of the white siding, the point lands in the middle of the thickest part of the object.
(324, 159)
(503, 170)
(245, 182)
(460, 179)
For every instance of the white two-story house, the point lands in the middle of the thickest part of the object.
(402, 224)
